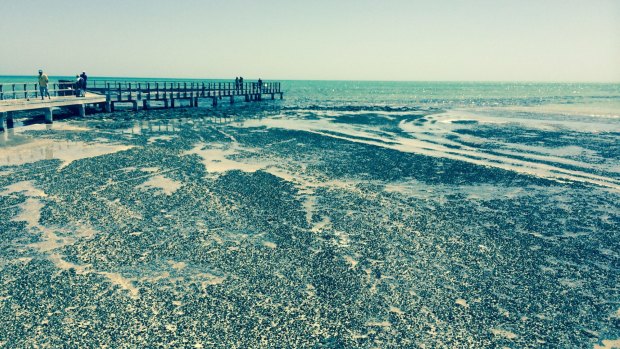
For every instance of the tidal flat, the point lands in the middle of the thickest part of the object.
(306, 228)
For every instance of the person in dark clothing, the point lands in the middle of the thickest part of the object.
(260, 84)
(241, 82)
(84, 78)
(79, 82)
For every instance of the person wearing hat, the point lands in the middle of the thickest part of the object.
(43, 80)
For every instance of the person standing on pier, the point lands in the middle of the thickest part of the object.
(43, 80)
(241, 82)
(236, 83)
(79, 84)
(84, 78)
(260, 84)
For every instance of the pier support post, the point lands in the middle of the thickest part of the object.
(273, 96)
(49, 118)
(232, 99)
(2, 120)
(281, 95)
(107, 106)
(166, 105)
(134, 105)
(145, 104)
(9, 120)
(247, 98)
(81, 110)
(215, 101)
(195, 101)
(171, 102)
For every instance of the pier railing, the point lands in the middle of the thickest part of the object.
(143, 90)
(166, 89)
(29, 90)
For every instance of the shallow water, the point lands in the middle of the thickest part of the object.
(348, 215)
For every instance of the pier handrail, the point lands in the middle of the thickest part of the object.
(180, 88)
(143, 89)
(26, 91)
(227, 85)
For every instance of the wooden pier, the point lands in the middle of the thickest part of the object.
(107, 94)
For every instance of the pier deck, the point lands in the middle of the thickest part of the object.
(8, 105)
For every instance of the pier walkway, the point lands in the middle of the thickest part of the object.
(107, 94)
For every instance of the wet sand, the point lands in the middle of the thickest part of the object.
(307, 228)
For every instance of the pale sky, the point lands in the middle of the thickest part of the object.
(480, 40)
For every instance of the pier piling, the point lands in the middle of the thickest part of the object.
(49, 118)
(9, 120)
(81, 110)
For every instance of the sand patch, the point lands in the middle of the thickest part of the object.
(177, 265)
(462, 303)
(608, 344)
(31, 214)
(323, 224)
(352, 262)
(571, 283)
(269, 244)
(216, 158)
(124, 283)
(342, 238)
(503, 333)
(26, 187)
(396, 310)
(160, 138)
(384, 324)
(164, 184)
(207, 279)
(60, 263)
(308, 205)
(47, 149)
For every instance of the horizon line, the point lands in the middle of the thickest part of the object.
(336, 80)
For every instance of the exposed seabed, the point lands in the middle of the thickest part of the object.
(417, 228)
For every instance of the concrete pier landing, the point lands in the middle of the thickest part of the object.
(8, 106)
